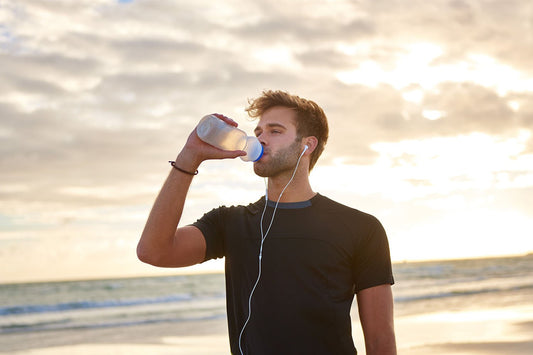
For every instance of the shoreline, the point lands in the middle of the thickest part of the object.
(502, 330)
(477, 332)
(187, 271)
(195, 337)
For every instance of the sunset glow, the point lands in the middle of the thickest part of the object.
(429, 106)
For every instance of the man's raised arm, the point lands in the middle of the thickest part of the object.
(162, 243)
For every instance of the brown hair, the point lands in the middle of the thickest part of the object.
(310, 118)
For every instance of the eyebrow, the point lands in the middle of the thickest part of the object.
(270, 125)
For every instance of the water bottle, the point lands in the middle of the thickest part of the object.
(218, 133)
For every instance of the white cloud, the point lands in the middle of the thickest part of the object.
(468, 162)
(96, 97)
(419, 64)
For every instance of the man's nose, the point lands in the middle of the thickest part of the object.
(261, 137)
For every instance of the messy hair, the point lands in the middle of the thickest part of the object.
(310, 118)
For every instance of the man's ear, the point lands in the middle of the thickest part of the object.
(311, 142)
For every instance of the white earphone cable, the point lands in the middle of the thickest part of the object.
(263, 237)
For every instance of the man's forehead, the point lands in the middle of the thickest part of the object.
(278, 116)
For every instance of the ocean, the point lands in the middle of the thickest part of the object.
(421, 287)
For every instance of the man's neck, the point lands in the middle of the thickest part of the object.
(297, 191)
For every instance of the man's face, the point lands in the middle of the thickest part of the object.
(276, 130)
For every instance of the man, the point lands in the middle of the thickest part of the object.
(293, 264)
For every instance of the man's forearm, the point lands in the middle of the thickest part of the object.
(384, 345)
(376, 314)
(159, 231)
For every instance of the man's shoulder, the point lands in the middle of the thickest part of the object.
(252, 207)
(328, 204)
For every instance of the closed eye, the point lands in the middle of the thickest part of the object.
(271, 128)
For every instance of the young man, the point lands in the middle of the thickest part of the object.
(294, 263)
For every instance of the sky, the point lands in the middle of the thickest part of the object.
(430, 107)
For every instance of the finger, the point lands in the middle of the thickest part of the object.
(233, 153)
(226, 119)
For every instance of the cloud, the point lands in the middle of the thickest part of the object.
(97, 96)
(464, 108)
(110, 79)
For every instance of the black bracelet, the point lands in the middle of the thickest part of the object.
(173, 163)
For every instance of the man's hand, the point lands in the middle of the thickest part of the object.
(196, 151)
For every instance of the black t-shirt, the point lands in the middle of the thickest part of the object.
(316, 256)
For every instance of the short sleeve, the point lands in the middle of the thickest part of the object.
(372, 264)
(211, 225)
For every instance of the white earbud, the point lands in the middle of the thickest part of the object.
(305, 148)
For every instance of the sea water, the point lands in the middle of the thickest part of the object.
(420, 287)
(460, 285)
(110, 303)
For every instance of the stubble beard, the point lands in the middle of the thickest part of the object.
(282, 162)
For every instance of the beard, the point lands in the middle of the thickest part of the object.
(281, 162)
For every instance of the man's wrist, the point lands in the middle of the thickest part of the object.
(186, 163)
(173, 163)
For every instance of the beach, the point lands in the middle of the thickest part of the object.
(497, 331)
(484, 331)
(461, 307)
(193, 337)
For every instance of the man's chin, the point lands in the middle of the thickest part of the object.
(259, 170)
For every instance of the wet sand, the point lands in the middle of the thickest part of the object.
(481, 332)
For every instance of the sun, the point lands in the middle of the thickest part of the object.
(425, 65)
